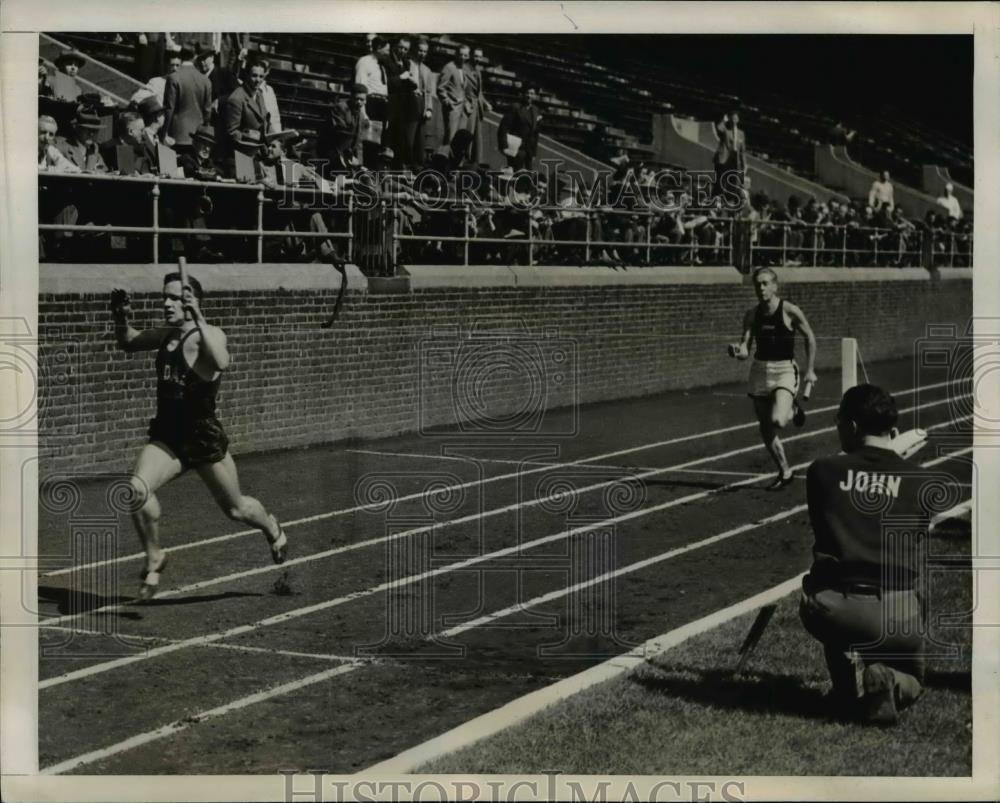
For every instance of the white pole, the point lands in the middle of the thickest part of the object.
(848, 363)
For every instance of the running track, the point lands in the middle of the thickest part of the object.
(403, 623)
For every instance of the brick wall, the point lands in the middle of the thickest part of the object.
(396, 361)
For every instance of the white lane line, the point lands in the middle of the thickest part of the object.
(516, 711)
(182, 724)
(946, 457)
(592, 466)
(451, 488)
(438, 527)
(218, 646)
(642, 564)
(209, 638)
(618, 664)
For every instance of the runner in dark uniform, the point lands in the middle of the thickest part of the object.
(185, 434)
(860, 598)
(774, 376)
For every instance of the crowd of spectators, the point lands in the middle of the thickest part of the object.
(860, 232)
(206, 113)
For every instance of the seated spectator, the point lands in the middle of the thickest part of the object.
(130, 134)
(50, 158)
(198, 163)
(64, 82)
(950, 202)
(881, 192)
(79, 147)
(455, 155)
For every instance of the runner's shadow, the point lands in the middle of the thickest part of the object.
(69, 601)
(200, 598)
(758, 692)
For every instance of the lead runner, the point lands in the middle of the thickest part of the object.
(774, 375)
(185, 434)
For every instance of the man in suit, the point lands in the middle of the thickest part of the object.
(80, 148)
(476, 101)
(344, 135)
(455, 107)
(153, 116)
(245, 109)
(425, 92)
(187, 101)
(731, 153)
(130, 128)
(522, 121)
(404, 105)
(222, 79)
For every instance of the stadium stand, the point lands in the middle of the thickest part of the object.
(598, 112)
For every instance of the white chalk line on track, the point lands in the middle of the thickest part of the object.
(218, 646)
(174, 727)
(482, 515)
(451, 488)
(516, 711)
(512, 712)
(519, 710)
(238, 630)
(183, 724)
(591, 466)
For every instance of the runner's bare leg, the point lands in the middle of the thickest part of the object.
(155, 468)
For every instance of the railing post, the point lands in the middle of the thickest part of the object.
(395, 234)
(531, 238)
(260, 225)
(156, 221)
(586, 253)
(815, 248)
(875, 242)
(649, 236)
(350, 227)
(843, 245)
(951, 248)
(465, 204)
(784, 243)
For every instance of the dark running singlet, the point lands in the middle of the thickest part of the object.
(185, 408)
(774, 339)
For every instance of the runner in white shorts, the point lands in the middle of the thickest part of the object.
(774, 375)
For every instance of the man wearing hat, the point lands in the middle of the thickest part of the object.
(222, 79)
(245, 112)
(198, 163)
(153, 115)
(64, 83)
(187, 101)
(79, 147)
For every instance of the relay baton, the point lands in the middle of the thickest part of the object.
(807, 390)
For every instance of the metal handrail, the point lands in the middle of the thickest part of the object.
(839, 232)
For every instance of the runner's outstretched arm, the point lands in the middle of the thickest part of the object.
(129, 338)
